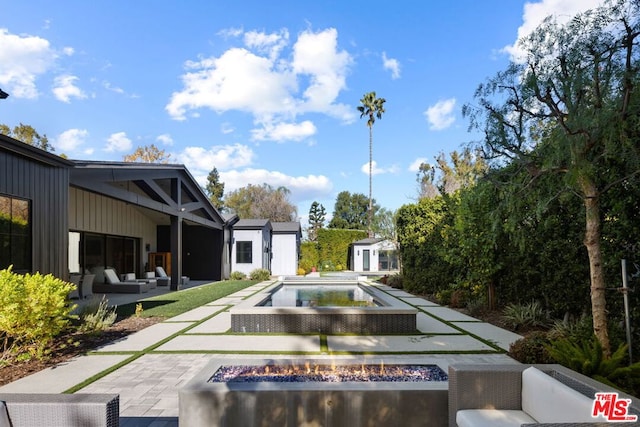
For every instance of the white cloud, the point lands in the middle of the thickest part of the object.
(265, 81)
(71, 139)
(440, 116)
(392, 65)
(118, 142)
(302, 188)
(415, 166)
(69, 51)
(201, 161)
(535, 12)
(227, 128)
(22, 60)
(284, 132)
(375, 170)
(165, 139)
(64, 88)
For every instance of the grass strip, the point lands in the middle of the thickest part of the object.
(175, 303)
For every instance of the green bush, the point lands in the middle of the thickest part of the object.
(531, 349)
(260, 274)
(301, 272)
(96, 317)
(522, 316)
(327, 265)
(35, 309)
(395, 281)
(587, 357)
(443, 296)
(237, 275)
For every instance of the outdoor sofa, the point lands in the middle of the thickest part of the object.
(515, 395)
(57, 410)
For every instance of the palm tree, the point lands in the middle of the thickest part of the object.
(372, 107)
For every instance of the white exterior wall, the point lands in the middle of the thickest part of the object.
(285, 255)
(257, 252)
(374, 258)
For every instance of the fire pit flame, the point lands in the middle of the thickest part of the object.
(332, 373)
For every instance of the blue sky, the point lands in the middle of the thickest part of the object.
(264, 91)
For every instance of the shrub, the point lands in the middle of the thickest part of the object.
(301, 272)
(95, 318)
(237, 275)
(443, 296)
(476, 306)
(520, 316)
(531, 349)
(35, 309)
(459, 298)
(587, 357)
(327, 265)
(260, 274)
(395, 281)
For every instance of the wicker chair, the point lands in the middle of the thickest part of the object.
(87, 410)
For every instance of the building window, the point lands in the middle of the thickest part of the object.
(244, 252)
(15, 234)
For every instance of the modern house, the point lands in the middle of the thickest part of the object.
(374, 255)
(260, 243)
(60, 216)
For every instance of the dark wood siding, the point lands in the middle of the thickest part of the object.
(46, 186)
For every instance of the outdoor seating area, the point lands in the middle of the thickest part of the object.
(87, 410)
(115, 285)
(514, 395)
(84, 285)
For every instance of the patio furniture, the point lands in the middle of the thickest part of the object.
(513, 395)
(184, 280)
(114, 285)
(39, 409)
(131, 277)
(86, 288)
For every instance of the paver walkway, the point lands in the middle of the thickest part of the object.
(176, 349)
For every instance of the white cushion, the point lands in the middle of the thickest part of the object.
(4, 416)
(549, 401)
(111, 275)
(492, 418)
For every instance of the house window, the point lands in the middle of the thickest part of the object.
(15, 234)
(244, 252)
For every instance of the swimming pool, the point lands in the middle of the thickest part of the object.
(383, 314)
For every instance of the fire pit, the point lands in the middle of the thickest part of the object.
(293, 392)
(328, 373)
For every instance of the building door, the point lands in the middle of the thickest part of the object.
(366, 261)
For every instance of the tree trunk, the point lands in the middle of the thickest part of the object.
(370, 216)
(592, 239)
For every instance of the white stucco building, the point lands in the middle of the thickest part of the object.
(374, 255)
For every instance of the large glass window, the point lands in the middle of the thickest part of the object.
(15, 234)
(244, 252)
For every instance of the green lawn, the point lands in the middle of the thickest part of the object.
(175, 303)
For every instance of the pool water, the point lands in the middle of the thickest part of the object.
(320, 296)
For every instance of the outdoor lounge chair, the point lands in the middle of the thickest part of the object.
(75, 279)
(161, 277)
(86, 288)
(184, 280)
(114, 285)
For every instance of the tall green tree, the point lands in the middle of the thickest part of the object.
(447, 176)
(570, 108)
(148, 154)
(215, 189)
(371, 107)
(317, 215)
(28, 135)
(261, 202)
(351, 211)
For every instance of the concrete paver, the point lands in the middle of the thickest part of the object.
(492, 333)
(145, 338)
(406, 343)
(243, 343)
(419, 302)
(429, 325)
(196, 314)
(449, 314)
(216, 325)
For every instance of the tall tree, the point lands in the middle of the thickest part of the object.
(215, 189)
(371, 107)
(28, 135)
(148, 154)
(261, 202)
(350, 211)
(462, 170)
(572, 108)
(317, 214)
